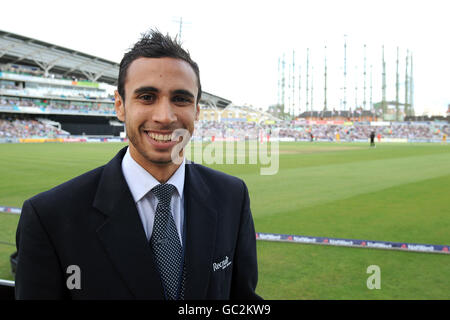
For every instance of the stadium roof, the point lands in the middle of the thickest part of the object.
(214, 101)
(18, 49)
(51, 58)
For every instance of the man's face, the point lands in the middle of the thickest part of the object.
(160, 96)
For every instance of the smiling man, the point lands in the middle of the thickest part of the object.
(161, 97)
(143, 226)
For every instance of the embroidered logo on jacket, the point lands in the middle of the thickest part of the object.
(222, 264)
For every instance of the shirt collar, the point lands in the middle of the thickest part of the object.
(140, 181)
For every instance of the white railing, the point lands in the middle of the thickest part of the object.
(7, 283)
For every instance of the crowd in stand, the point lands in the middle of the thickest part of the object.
(22, 126)
(363, 131)
(228, 129)
(287, 129)
(37, 90)
(34, 71)
(79, 107)
(48, 90)
(12, 126)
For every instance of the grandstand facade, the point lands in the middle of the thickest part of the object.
(51, 91)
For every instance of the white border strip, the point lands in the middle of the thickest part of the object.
(10, 210)
(7, 283)
(354, 243)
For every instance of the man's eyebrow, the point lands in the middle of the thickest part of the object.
(183, 92)
(145, 90)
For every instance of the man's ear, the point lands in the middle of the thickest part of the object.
(197, 112)
(119, 105)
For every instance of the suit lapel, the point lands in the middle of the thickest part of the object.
(200, 219)
(122, 234)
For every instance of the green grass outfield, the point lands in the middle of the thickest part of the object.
(394, 192)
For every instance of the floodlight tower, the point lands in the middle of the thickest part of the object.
(283, 62)
(299, 88)
(344, 102)
(293, 82)
(180, 30)
(307, 79)
(325, 83)
(383, 86)
(278, 82)
(397, 104)
(407, 106)
(181, 27)
(356, 87)
(312, 89)
(411, 91)
(365, 76)
(371, 100)
(288, 110)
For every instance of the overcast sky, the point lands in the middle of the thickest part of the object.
(237, 44)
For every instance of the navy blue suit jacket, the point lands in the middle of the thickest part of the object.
(92, 222)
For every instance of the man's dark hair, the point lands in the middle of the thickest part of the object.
(153, 44)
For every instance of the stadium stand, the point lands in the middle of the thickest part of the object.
(24, 126)
(44, 85)
(50, 91)
(54, 92)
(345, 131)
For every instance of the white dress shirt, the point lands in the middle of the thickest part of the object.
(141, 182)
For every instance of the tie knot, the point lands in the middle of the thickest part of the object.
(163, 192)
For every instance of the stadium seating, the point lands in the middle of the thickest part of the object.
(324, 132)
(31, 102)
(14, 126)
